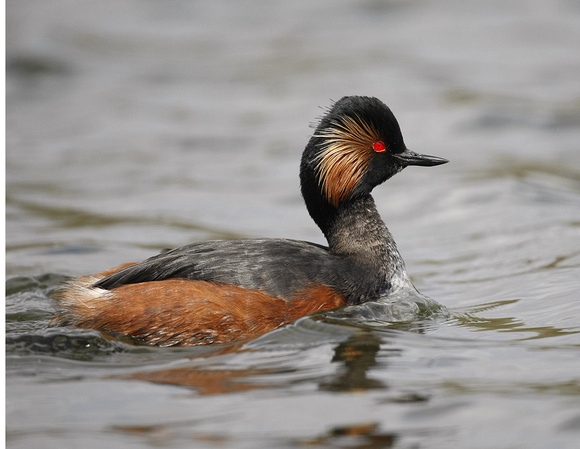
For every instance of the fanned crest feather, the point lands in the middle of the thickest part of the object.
(345, 157)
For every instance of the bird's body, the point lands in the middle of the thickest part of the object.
(231, 290)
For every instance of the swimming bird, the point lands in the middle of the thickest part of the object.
(225, 291)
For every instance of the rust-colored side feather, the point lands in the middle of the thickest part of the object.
(183, 312)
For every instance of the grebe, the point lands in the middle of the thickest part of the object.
(224, 291)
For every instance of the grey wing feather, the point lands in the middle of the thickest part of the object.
(277, 266)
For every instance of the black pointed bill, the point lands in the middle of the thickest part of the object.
(408, 157)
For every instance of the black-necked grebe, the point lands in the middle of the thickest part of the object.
(231, 290)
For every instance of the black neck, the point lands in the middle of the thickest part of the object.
(357, 229)
(354, 228)
(358, 232)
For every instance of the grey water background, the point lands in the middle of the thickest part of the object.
(134, 126)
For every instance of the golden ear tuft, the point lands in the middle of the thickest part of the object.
(346, 154)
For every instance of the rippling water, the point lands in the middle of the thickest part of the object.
(134, 126)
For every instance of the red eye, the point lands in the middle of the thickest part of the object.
(379, 146)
